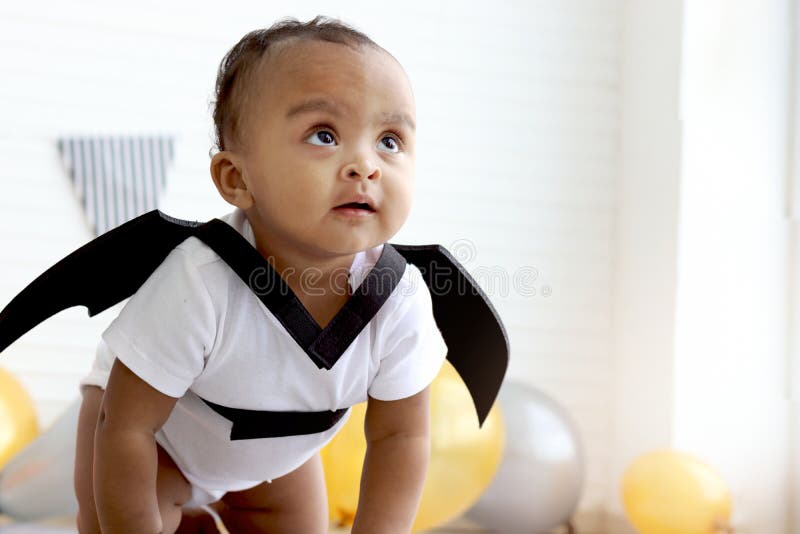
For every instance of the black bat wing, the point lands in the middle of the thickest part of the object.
(477, 344)
(98, 275)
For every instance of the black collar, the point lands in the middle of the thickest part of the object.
(323, 345)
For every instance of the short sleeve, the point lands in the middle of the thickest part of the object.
(101, 367)
(167, 329)
(414, 349)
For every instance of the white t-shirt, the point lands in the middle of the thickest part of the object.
(195, 330)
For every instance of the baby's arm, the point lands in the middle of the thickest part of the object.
(125, 462)
(398, 449)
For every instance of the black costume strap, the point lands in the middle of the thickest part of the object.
(254, 424)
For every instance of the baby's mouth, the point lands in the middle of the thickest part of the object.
(355, 205)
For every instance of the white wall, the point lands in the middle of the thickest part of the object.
(518, 110)
(793, 215)
(645, 275)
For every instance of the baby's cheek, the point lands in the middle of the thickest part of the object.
(406, 197)
(399, 213)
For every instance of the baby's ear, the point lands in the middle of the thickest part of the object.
(226, 171)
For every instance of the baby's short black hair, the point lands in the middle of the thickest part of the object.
(235, 69)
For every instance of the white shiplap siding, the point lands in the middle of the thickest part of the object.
(518, 112)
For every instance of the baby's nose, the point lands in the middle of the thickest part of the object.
(361, 168)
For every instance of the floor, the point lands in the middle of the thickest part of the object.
(65, 526)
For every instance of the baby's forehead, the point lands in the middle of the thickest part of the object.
(355, 82)
(307, 65)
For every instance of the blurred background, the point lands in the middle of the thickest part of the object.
(621, 176)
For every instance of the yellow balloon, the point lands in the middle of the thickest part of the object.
(669, 492)
(463, 459)
(18, 425)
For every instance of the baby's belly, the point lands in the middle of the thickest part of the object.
(198, 439)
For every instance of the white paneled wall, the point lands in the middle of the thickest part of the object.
(518, 112)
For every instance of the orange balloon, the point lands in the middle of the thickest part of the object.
(464, 457)
(18, 424)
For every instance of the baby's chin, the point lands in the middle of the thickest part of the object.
(354, 246)
(342, 240)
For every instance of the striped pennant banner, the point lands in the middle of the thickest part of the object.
(117, 178)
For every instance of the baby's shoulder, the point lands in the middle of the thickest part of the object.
(202, 256)
(216, 277)
(196, 252)
(411, 296)
(411, 280)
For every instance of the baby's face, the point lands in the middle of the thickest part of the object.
(328, 125)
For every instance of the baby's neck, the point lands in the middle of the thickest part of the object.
(312, 276)
(307, 273)
(323, 289)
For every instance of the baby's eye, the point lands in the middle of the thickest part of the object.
(389, 143)
(321, 138)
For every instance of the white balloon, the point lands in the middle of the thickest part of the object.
(539, 482)
(37, 482)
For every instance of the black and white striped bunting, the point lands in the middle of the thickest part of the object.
(117, 178)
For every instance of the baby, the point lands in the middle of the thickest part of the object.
(315, 131)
